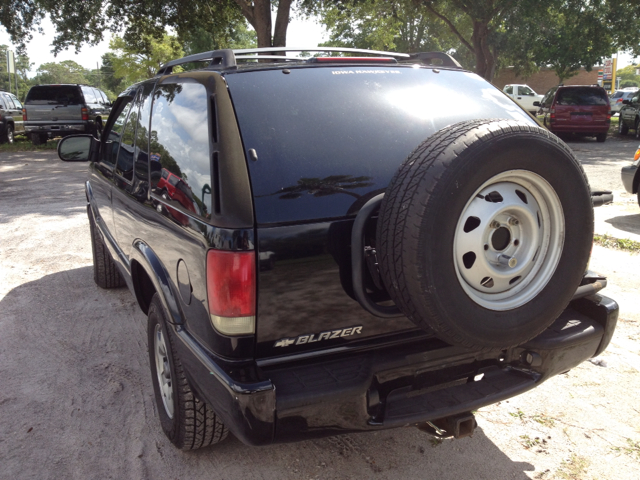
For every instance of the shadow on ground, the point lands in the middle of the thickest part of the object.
(628, 223)
(77, 397)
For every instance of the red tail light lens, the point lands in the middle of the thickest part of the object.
(231, 291)
(85, 114)
(24, 114)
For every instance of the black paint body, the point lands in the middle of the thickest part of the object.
(294, 205)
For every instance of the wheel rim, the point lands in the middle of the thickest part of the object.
(509, 240)
(163, 371)
(10, 135)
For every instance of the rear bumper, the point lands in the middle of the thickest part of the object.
(588, 129)
(60, 128)
(628, 175)
(391, 387)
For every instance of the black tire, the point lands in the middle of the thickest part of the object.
(97, 131)
(601, 137)
(623, 128)
(637, 128)
(7, 137)
(193, 423)
(415, 236)
(105, 271)
(39, 138)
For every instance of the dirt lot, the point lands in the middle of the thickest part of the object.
(76, 398)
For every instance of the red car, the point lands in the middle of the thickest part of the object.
(173, 187)
(581, 109)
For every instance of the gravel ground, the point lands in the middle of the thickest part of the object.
(76, 398)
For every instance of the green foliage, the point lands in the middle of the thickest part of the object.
(66, 71)
(22, 68)
(628, 77)
(134, 64)
(202, 40)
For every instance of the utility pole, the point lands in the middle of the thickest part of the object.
(99, 76)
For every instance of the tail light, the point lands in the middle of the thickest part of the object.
(231, 291)
(24, 114)
(552, 114)
(637, 155)
(619, 100)
(85, 114)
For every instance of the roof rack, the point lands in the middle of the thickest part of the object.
(227, 58)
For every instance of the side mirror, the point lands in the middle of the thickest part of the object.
(75, 148)
(536, 104)
(626, 102)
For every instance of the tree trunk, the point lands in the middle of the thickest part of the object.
(485, 59)
(282, 22)
(258, 14)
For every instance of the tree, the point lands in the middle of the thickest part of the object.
(23, 65)
(66, 71)
(628, 77)
(133, 65)
(201, 40)
(393, 25)
(77, 23)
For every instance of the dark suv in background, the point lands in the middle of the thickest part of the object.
(578, 109)
(60, 110)
(10, 117)
(322, 245)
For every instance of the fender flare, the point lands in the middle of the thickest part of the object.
(146, 258)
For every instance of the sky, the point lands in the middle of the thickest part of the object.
(301, 33)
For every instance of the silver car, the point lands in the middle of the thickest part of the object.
(616, 99)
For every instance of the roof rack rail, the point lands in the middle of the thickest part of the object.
(227, 58)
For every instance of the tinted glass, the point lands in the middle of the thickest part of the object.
(509, 90)
(16, 102)
(49, 94)
(2, 102)
(142, 134)
(618, 94)
(124, 166)
(582, 96)
(8, 102)
(326, 137)
(180, 143)
(113, 139)
(89, 95)
(526, 91)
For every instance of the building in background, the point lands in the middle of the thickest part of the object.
(544, 79)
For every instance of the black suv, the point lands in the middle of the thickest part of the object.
(322, 245)
(10, 117)
(60, 110)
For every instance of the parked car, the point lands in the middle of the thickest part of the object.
(631, 177)
(524, 95)
(630, 115)
(357, 256)
(617, 98)
(60, 110)
(578, 109)
(10, 117)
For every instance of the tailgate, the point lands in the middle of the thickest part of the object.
(53, 103)
(53, 113)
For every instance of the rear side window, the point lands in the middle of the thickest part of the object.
(179, 142)
(582, 96)
(54, 95)
(89, 95)
(2, 101)
(16, 102)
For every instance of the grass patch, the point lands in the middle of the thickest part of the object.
(435, 442)
(544, 420)
(22, 144)
(617, 243)
(574, 468)
(519, 414)
(632, 448)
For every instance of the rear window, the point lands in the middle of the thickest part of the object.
(582, 96)
(54, 95)
(327, 138)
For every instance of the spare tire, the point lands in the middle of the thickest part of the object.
(485, 232)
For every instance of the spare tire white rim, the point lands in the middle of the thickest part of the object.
(508, 240)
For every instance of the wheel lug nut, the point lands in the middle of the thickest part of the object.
(507, 260)
(513, 221)
(494, 224)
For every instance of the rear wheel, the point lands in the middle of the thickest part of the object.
(39, 138)
(601, 137)
(186, 420)
(105, 271)
(472, 233)
(8, 136)
(623, 128)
